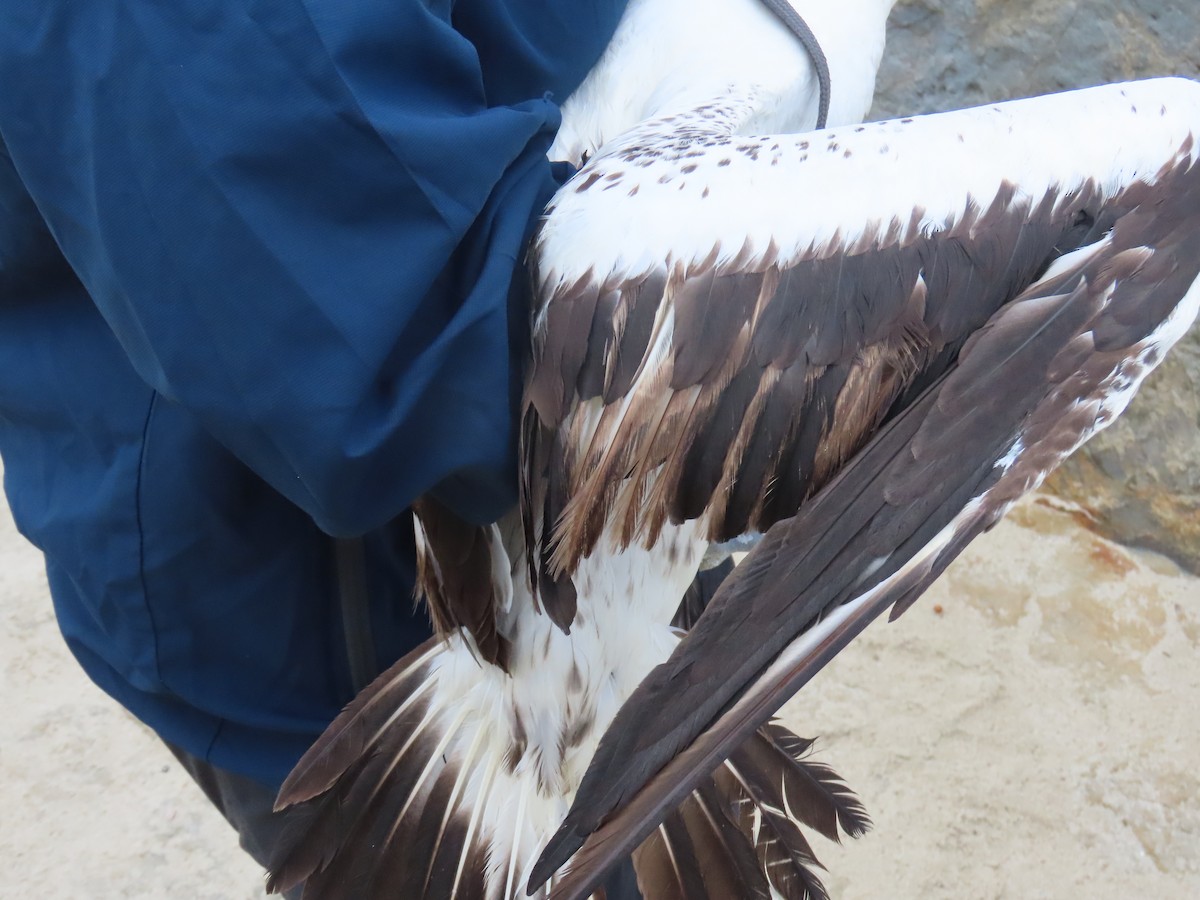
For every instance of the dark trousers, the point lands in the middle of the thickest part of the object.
(246, 805)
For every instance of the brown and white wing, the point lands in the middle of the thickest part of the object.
(463, 575)
(865, 343)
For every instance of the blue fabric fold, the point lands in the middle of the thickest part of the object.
(260, 284)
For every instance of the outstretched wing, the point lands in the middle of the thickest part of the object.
(866, 343)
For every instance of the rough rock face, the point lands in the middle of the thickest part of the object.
(1141, 478)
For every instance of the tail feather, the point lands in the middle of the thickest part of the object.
(783, 852)
(808, 791)
(738, 834)
(682, 852)
(433, 838)
(359, 726)
(657, 867)
(728, 862)
(700, 853)
(412, 793)
(341, 786)
(392, 795)
(361, 818)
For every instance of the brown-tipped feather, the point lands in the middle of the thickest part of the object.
(699, 854)
(781, 847)
(683, 855)
(658, 872)
(728, 863)
(402, 819)
(354, 732)
(331, 841)
(737, 834)
(776, 773)
(454, 573)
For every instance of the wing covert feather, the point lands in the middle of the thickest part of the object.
(689, 259)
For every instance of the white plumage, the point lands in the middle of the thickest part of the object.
(865, 342)
(668, 56)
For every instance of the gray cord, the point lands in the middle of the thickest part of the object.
(800, 28)
(351, 561)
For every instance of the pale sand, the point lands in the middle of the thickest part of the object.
(1038, 738)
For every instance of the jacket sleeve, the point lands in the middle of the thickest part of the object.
(303, 222)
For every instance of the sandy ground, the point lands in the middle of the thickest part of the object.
(1038, 737)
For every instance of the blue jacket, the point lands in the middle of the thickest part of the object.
(256, 262)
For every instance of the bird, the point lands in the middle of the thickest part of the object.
(855, 346)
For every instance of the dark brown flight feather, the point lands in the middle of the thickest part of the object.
(771, 773)
(733, 837)
(380, 807)
(455, 576)
(356, 729)
(344, 780)
(811, 790)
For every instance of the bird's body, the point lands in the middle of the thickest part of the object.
(741, 331)
(669, 56)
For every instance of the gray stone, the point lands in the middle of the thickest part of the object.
(1140, 480)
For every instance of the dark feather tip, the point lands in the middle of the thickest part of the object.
(565, 844)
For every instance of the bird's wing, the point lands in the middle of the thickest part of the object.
(867, 343)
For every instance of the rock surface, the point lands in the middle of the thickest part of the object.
(1141, 478)
(1003, 733)
(956, 53)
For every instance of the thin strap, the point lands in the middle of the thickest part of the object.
(800, 28)
(356, 616)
